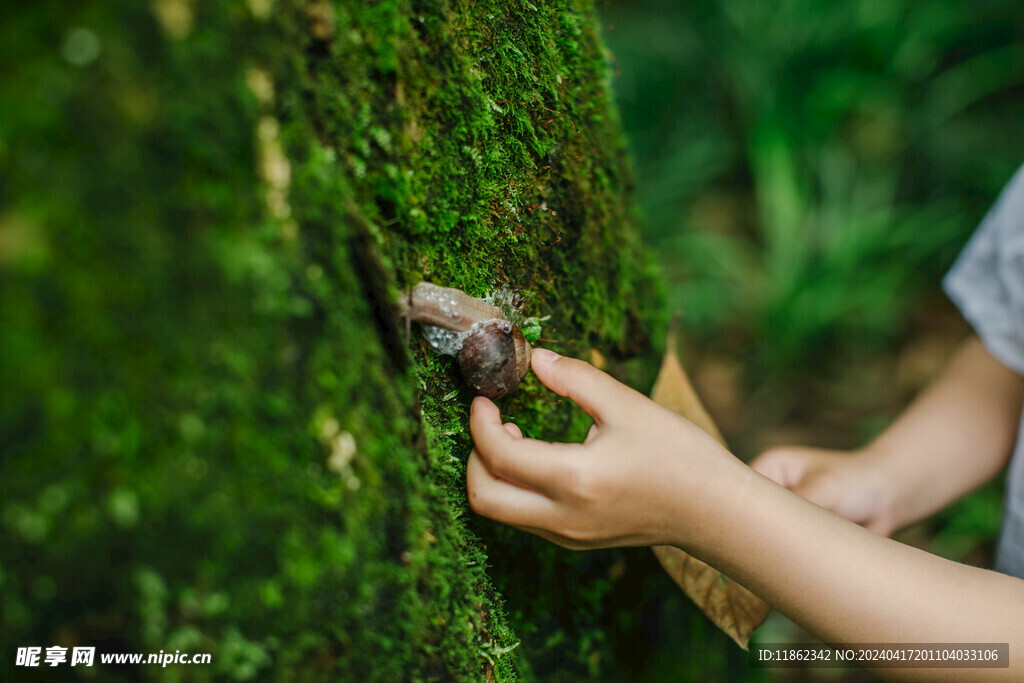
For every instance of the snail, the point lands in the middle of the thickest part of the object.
(492, 353)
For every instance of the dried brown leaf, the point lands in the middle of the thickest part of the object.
(732, 608)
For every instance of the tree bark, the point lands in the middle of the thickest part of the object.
(216, 435)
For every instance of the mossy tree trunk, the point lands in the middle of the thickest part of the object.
(216, 437)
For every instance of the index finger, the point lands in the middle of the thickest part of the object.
(597, 392)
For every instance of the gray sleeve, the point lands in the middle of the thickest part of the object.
(987, 280)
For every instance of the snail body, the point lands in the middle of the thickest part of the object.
(492, 353)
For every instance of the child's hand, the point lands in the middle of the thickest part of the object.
(854, 485)
(957, 435)
(641, 477)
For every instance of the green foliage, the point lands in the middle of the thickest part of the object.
(808, 172)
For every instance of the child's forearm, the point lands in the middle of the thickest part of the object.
(645, 476)
(957, 435)
(844, 583)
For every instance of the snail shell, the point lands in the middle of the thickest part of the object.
(493, 356)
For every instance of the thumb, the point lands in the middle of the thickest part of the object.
(598, 393)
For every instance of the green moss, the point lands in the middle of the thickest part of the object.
(216, 438)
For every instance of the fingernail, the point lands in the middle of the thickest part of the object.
(545, 355)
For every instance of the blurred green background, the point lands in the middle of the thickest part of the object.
(807, 172)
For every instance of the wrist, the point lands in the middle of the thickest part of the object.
(706, 486)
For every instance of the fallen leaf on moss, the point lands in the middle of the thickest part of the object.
(732, 608)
